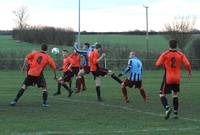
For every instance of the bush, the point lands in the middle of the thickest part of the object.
(48, 35)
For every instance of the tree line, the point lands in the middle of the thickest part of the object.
(44, 34)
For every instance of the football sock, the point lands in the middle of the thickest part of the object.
(164, 102)
(44, 97)
(175, 104)
(116, 78)
(142, 93)
(70, 83)
(124, 93)
(83, 82)
(66, 87)
(98, 92)
(19, 94)
(59, 87)
(78, 83)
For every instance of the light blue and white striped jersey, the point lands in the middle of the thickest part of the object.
(135, 68)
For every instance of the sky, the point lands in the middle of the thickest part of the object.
(100, 15)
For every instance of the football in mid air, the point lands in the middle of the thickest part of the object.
(55, 50)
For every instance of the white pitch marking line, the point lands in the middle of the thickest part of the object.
(111, 131)
(120, 107)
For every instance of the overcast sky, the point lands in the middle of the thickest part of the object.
(100, 15)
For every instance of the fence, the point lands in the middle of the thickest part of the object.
(114, 64)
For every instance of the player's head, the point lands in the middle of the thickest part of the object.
(64, 53)
(44, 47)
(173, 44)
(132, 54)
(98, 46)
(86, 45)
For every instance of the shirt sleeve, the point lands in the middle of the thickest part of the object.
(127, 69)
(160, 60)
(82, 52)
(51, 63)
(186, 63)
(30, 56)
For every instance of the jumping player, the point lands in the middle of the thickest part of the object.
(35, 74)
(172, 60)
(134, 79)
(85, 68)
(76, 64)
(67, 73)
(96, 70)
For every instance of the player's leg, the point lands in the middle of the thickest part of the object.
(79, 80)
(83, 84)
(28, 81)
(98, 88)
(124, 92)
(141, 89)
(113, 76)
(165, 104)
(143, 94)
(58, 92)
(70, 83)
(44, 97)
(175, 104)
(68, 89)
(69, 75)
(41, 83)
(176, 89)
(19, 94)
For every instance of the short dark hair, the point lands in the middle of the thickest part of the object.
(44, 47)
(173, 44)
(98, 46)
(65, 50)
(87, 44)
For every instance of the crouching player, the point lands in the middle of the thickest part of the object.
(35, 74)
(134, 79)
(67, 74)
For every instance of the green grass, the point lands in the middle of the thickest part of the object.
(138, 42)
(82, 114)
(155, 42)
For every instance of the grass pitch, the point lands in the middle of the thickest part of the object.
(82, 114)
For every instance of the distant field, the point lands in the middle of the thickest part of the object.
(157, 43)
(82, 114)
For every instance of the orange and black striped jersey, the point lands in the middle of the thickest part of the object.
(38, 61)
(66, 63)
(172, 60)
(93, 57)
(76, 59)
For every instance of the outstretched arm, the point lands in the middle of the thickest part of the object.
(82, 52)
(127, 69)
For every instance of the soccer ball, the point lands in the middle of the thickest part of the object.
(55, 51)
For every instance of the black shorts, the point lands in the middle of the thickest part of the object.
(68, 75)
(75, 70)
(100, 72)
(130, 84)
(168, 88)
(86, 69)
(32, 80)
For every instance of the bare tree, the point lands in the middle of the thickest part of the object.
(180, 29)
(22, 16)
